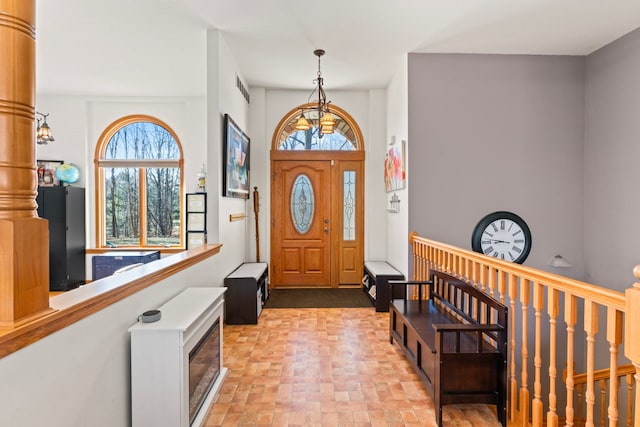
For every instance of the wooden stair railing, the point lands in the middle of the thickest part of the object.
(579, 321)
(601, 379)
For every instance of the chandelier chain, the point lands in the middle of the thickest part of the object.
(326, 121)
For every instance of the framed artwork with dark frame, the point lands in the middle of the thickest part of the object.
(195, 239)
(46, 170)
(235, 161)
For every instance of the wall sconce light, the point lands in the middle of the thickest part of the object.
(394, 204)
(559, 262)
(43, 132)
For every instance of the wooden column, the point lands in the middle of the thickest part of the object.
(24, 247)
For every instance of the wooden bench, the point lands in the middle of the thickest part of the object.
(456, 339)
(375, 282)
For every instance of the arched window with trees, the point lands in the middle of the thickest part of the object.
(139, 174)
(345, 135)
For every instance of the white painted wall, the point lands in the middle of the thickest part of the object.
(223, 97)
(80, 375)
(260, 169)
(268, 106)
(80, 120)
(397, 225)
(118, 48)
(376, 231)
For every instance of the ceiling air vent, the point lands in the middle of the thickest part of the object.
(243, 90)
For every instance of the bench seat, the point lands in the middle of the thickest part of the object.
(449, 340)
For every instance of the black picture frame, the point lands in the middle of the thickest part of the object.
(235, 160)
(46, 172)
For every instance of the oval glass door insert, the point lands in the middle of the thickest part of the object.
(302, 203)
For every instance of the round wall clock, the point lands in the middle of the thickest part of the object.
(502, 235)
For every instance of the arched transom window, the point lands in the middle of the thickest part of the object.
(138, 179)
(343, 138)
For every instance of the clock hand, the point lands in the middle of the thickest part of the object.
(499, 241)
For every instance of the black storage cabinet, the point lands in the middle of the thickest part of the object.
(247, 290)
(106, 264)
(64, 208)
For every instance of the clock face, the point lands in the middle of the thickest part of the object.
(502, 235)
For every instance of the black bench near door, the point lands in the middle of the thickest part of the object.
(375, 282)
(247, 291)
(456, 339)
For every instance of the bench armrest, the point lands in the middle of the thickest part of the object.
(406, 283)
(409, 282)
(442, 328)
(452, 327)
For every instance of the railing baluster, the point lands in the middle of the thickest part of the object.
(602, 386)
(484, 278)
(504, 281)
(570, 318)
(475, 273)
(629, 380)
(636, 415)
(418, 265)
(538, 305)
(580, 403)
(552, 310)
(513, 382)
(492, 291)
(492, 280)
(591, 328)
(524, 378)
(614, 336)
(502, 285)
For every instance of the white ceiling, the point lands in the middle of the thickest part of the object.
(87, 46)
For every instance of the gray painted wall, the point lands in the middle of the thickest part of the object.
(612, 150)
(498, 132)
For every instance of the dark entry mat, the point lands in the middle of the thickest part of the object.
(318, 298)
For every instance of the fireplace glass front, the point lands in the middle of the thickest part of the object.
(204, 368)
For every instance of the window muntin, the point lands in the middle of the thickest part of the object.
(310, 140)
(163, 206)
(139, 181)
(142, 140)
(342, 139)
(121, 182)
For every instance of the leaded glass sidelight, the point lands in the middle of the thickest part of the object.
(349, 205)
(302, 204)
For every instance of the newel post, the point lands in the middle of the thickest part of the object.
(631, 336)
(24, 247)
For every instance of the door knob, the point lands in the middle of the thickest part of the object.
(326, 220)
(326, 229)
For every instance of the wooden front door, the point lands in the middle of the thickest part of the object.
(317, 203)
(301, 224)
(317, 219)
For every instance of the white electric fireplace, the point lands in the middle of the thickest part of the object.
(176, 362)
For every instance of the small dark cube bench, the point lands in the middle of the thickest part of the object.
(456, 339)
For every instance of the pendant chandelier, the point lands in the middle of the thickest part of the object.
(43, 132)
(325, 120)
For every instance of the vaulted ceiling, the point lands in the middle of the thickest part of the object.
(89, 46)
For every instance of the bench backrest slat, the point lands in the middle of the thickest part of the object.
(469, 304)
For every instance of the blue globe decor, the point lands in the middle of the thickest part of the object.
(68, 173)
